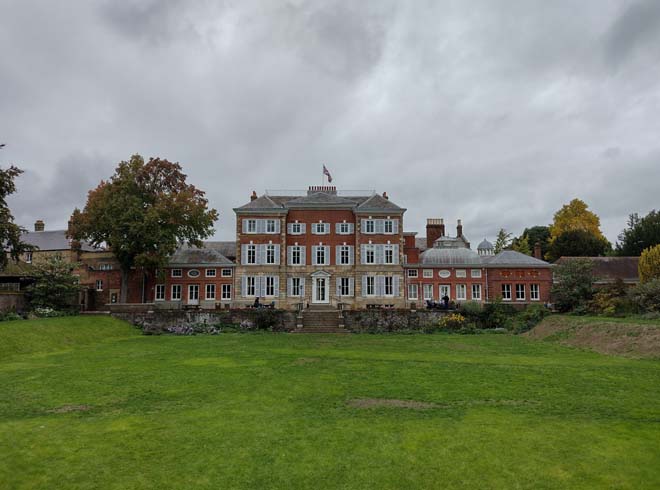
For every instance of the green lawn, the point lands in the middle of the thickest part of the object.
(91, 403)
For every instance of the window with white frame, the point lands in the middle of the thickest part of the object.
(369, 226)
(271, 227)
(371, 285)
(320, 228)
(413, 273)
(344, 228)
(344, 255)
(520, 292)
(476, 292)
(428, 291)
(226, 292)
(389, 254)
(296, 255)
(105, 267)
(296, 286)
(270, 286)
(475, 273)
(413, 291)
(251, 226)
(461, 292)
(251, 254)
(506, 292)
(296, 228)
(370, 254)
(461, 273)
(210, 291)
(210, 272)
(250, 286)
(534, 292)
(270, 254)
(28, 257)
(427, 273)
(226, 273)
(99, 284)
(388, 226)
(320, 255)
(389, 286)
(175, 293)
(160, 292)
(344, 286)
(177, 273)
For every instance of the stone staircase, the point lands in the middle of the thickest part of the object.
(320, 319)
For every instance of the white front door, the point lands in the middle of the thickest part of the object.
(320, 293)
(193, 294)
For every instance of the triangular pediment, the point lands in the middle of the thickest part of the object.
(320, 274)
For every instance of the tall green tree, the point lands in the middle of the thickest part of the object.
(502, 241)
(10, 232)
(573, 284)
(533, 235)
(143, 213)
(521, 245)
(55, 285)
(640, 234)
(577, 243)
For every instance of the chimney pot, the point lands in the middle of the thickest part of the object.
(253, 196)
(39, 225)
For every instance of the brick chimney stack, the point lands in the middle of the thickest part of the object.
(435, 228)
(39, 225)
(537, 251)
(253, 196)
(459, 229)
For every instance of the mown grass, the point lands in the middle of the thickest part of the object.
(91, 403)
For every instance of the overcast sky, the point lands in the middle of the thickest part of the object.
(496, 112)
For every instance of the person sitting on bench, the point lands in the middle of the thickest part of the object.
(256, 303)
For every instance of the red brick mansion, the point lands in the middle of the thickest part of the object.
(324, 247)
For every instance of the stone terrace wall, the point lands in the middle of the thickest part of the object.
(157, 321)
(382, 321)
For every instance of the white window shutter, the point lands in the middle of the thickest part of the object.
(351, 286)
(395, 285)
(244, 254)
(337, 227)
(277, 225)
(314, 254)
(244, 222)
(395, 226)
(303, 255)
(380, 254)
(289, 255)
(303, 228)
(289, 286)
(276, 286)
(395, 253)
(289, 228)
(261, 254)
(379, 226)
(244, 286)
(380, 285)
(327, 228)
(364, 285)
(327, 254)
(261, 281)
(363, 225)
(277, 254)
(302, 287)
(337, 254)
(363, 254)
(351, 255)
(338, 279)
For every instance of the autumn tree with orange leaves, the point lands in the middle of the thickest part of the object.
(143, 213)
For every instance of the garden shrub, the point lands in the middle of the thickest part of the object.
(529, 318)
(456, 323)
(574, 285)
(646, 296)
(9, 316)
(611, 300)
(498, 315)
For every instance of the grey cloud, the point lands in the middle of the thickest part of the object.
(494, 112)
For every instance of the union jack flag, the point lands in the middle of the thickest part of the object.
(327, 173)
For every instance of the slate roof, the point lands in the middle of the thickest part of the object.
(420, 243)
(609, 269)
(450, 256)
(513, 259)
(205, 256)
(52, 240)
(372, 203)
